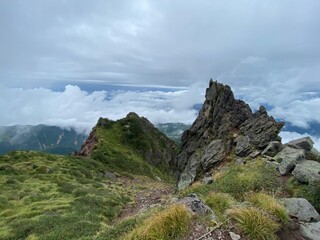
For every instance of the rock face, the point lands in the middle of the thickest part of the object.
(89, 144)
(301, 209)
(272, 149)
(310, 230)
(289, 157)
(307, 171)
(223, 123)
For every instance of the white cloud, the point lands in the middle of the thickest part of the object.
(288, 136)
(79, 109)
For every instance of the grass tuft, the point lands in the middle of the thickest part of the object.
(253, 223)
(253, 177)
(171, 223)
(219, 202)
(270, 205)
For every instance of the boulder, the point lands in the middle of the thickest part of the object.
(243, 147)
(272, 149)
(313, 154)
(305, 143)
(289, 157)
(310, 230)
(301, 209)
(195, 205)
(212, 154)
(307, 171)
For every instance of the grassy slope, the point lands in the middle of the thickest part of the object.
(45, 196)
(120, 151)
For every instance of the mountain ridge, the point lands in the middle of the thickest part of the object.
(40, 137)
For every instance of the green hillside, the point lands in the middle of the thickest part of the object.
(44, 196)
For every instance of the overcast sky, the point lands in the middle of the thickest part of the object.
(67, 62)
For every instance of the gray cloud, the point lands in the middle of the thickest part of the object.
(266, 50)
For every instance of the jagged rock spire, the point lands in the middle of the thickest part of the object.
(222, 123)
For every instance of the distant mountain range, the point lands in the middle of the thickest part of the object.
(173, 130)
(50, 139)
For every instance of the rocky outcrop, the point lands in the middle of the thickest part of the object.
(89, 145)
(261, 129)
(229, 124)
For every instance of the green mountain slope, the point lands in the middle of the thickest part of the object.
(43, 138)
(44, 196)
(131, 144)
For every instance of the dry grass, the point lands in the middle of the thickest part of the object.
(253, 223)
(219, 202)
(171, 223)
(270, 205)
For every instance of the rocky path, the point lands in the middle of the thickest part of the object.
(146, 199)
(148, 195)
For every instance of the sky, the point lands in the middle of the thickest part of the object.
(68, 62)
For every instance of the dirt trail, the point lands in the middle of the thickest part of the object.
(153, 193)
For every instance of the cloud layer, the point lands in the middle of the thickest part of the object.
(80, 110)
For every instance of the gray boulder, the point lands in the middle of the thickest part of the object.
(310, 230)
(307, 171)
(301, 209)
(313, 154)
(289, 157)
(272, 149)
(195, 205)
(305, 143)
(212, 154)
(243, 147)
